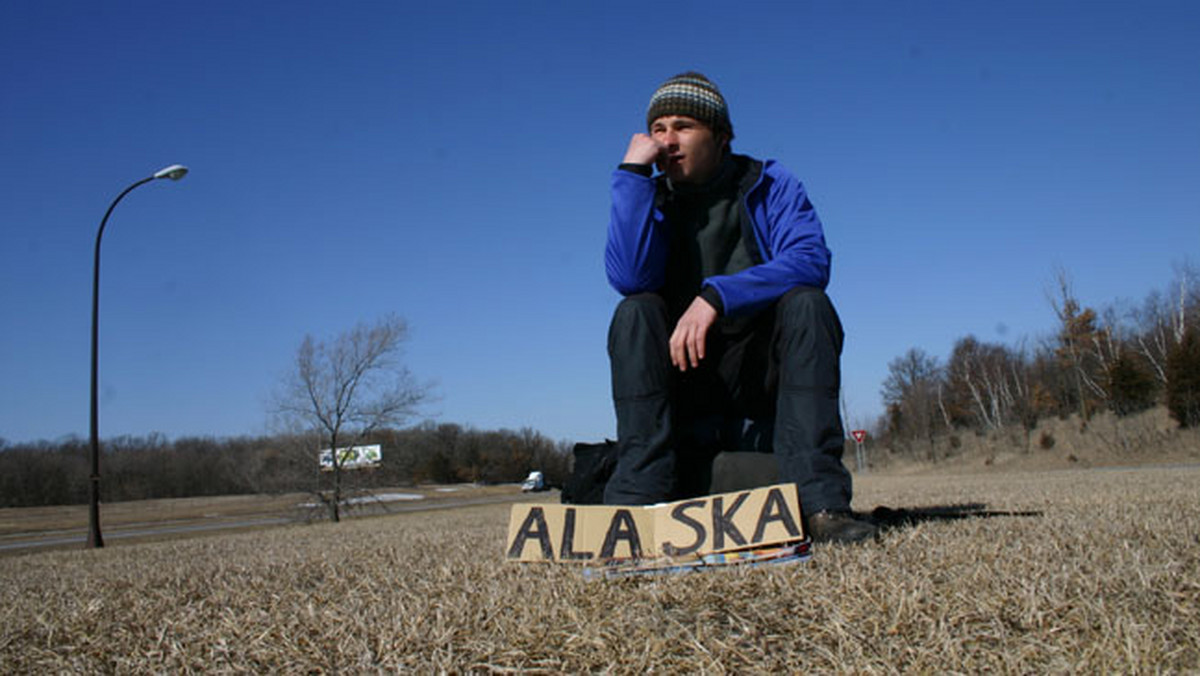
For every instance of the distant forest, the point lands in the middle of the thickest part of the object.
(1115, 359)
(138, 468)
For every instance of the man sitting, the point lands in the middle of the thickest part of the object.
(723, 265)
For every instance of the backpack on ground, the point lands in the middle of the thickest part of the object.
(593, 466)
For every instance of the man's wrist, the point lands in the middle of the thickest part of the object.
(711, 296)
(637, 168)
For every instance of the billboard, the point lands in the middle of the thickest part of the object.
(354, 457)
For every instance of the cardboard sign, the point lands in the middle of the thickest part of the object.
(688, 528)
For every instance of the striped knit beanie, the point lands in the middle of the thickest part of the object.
(693, 95)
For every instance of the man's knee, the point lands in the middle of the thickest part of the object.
(640, 308)
(640, 318)
(805, 309)
(805, 304)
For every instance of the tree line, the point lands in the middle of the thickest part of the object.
(1119, 360)
(351, 389)
(153, 466)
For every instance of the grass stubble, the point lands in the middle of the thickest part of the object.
(1106, 579)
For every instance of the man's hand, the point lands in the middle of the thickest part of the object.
(643, 150)
(687, 342)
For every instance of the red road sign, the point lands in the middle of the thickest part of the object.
(859, 435)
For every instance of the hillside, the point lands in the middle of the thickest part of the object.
(1148, 438)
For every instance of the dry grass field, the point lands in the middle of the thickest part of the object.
(1106, 578)
(66, 526)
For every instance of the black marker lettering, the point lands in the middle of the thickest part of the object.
(679, 515)
(567, 550)
(622, 527)
(775, 509)
(723, 523)
(541, 532)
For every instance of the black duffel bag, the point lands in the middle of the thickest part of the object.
(594, 464)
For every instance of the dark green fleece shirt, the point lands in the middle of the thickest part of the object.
(706, 238)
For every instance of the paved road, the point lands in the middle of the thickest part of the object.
(61, 538)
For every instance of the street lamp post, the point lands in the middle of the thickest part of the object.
(173, 172)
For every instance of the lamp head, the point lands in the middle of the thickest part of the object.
(173, 172)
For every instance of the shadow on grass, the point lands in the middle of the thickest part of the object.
(887, 518)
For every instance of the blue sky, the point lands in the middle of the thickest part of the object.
(450, 164)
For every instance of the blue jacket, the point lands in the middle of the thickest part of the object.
(786, 235)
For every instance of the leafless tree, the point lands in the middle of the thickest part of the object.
(912, 392)
(344, 389)
(1163, 319)
(978, 377)
(1077, 339)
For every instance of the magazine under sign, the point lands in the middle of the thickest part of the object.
(695, 528)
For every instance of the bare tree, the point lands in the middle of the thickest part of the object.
(1163, 319)
(912, 393)
(1076, 343)
(987, 381)
(343, 390)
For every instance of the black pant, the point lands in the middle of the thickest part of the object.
(778, 369)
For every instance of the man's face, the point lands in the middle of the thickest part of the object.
(692, 152)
